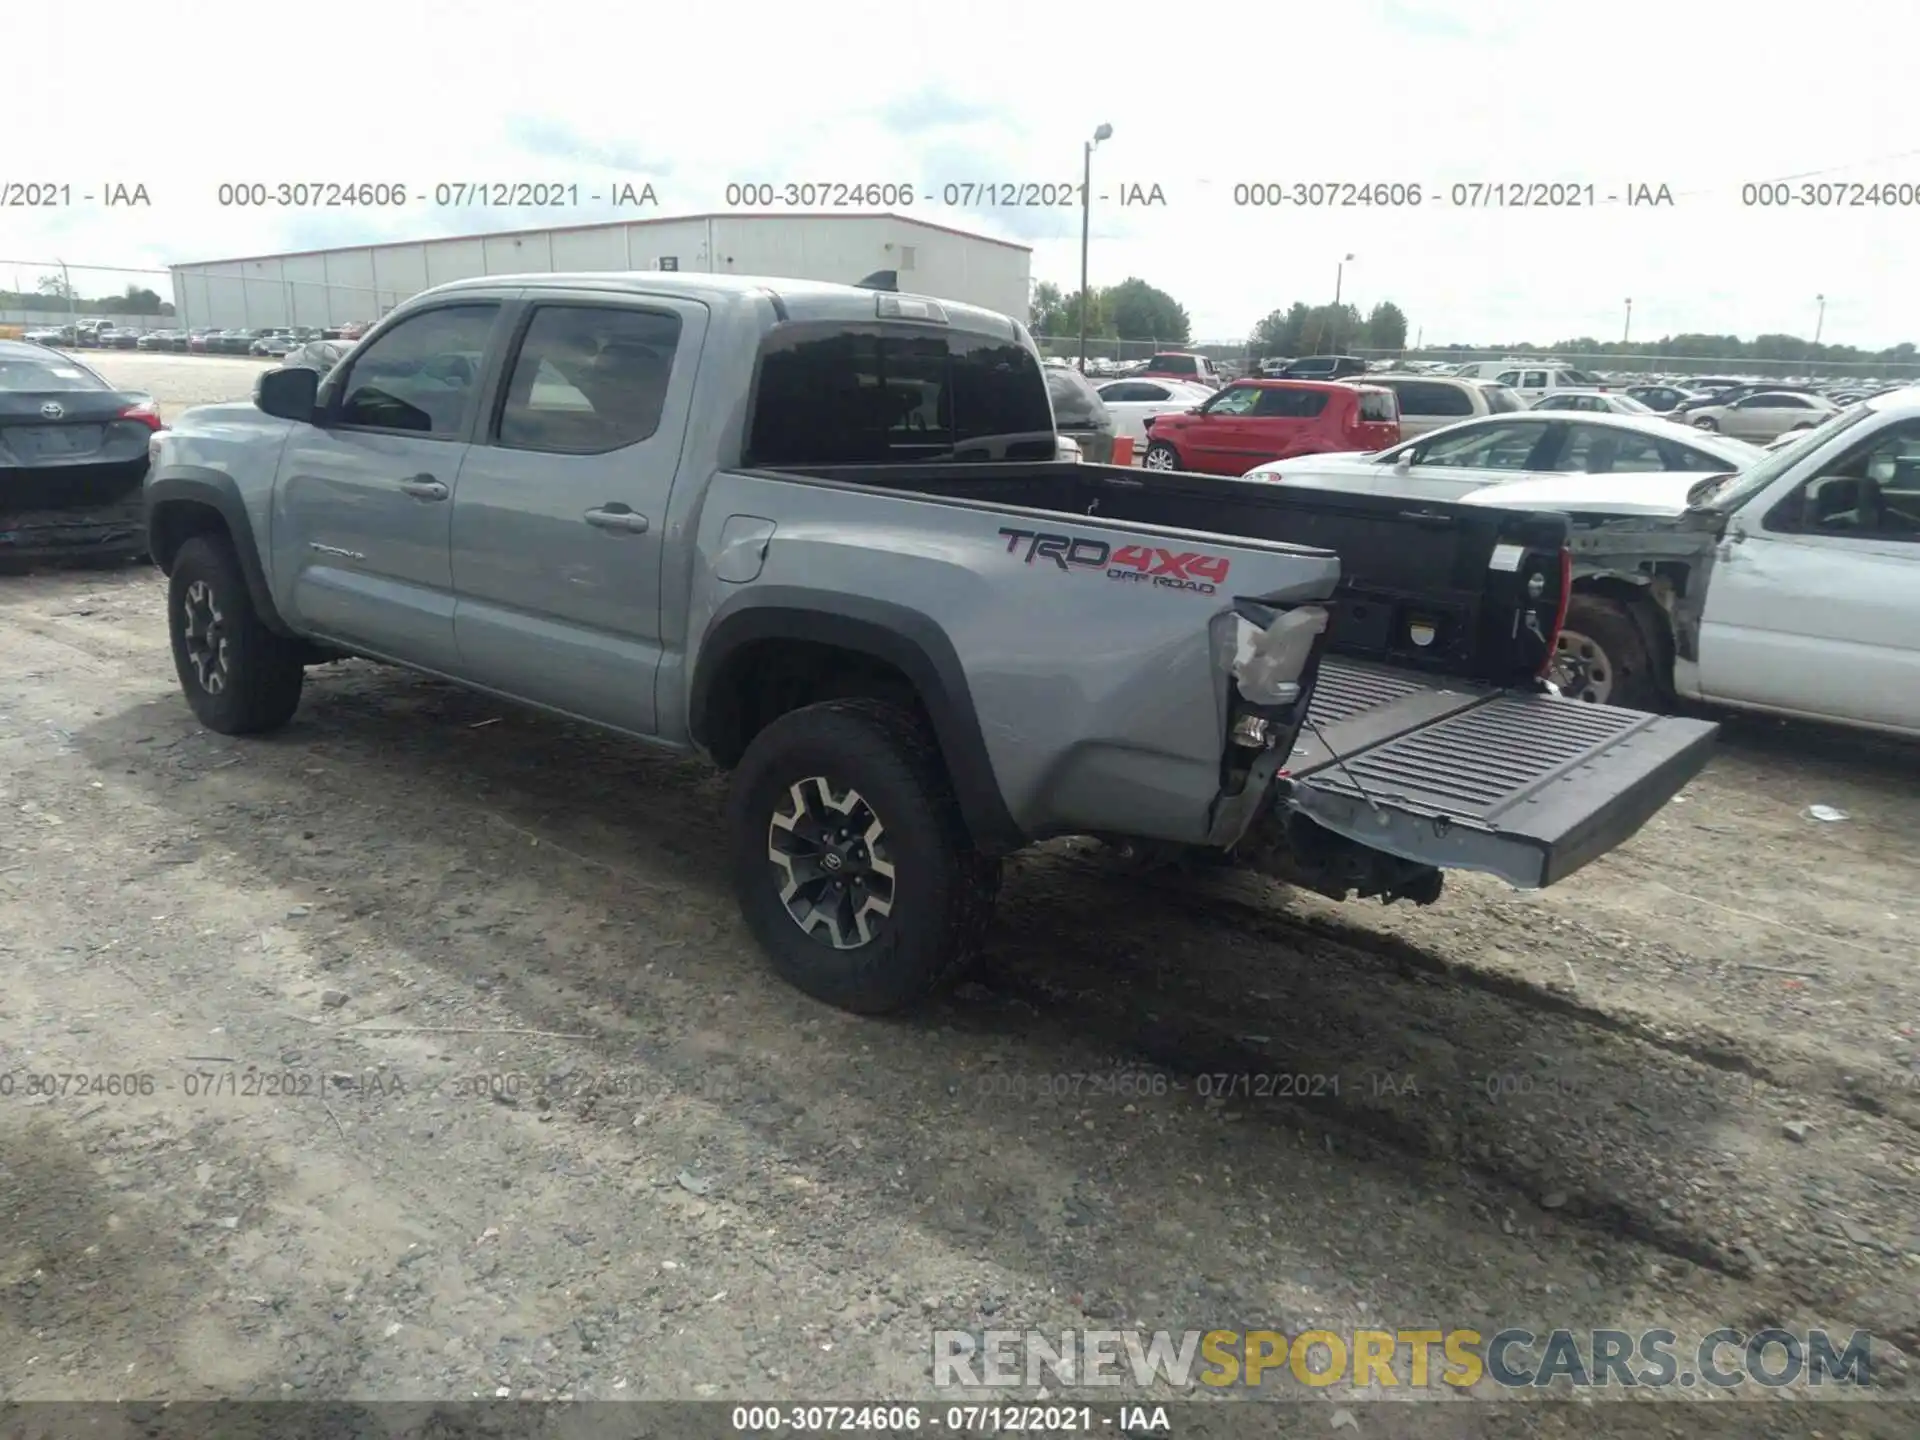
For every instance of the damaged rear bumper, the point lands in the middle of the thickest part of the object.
(107, 532)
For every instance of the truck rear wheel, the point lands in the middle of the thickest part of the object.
(853, 866)
(239, 677)
(1602, 657)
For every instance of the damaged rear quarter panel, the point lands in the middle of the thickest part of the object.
(1097, 688)
(1670, 557)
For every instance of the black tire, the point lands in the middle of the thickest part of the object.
(1160, 456)
(1603, 657)
(938, 889)
(239, 677)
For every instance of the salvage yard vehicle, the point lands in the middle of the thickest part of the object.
(1790, 587)
(1548, 457)
(1763, 416)
(1253, 422)
(724, 514)
(1428, 402)
(73, 451)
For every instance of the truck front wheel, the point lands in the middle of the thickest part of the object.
(239, 677)
(1160, 456)
(1602, 657)
(853, 866)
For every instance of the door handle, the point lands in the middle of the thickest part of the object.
(424, 487)
(608, 518)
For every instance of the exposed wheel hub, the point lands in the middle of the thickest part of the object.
(1581, 668)
(205, 631)
(829, 857)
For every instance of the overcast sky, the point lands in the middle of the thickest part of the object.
(1699, 97)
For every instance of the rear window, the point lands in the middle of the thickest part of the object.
(1290, 404)
(1424, 397)
(1076, 404)
(1174, 365)
(1378, 405)
(1500, 400)
(50, 374)
(837, 394)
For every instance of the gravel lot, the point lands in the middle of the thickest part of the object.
(551, 1126)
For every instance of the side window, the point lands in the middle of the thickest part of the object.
(1870, 493)
(1500, 399)
(1289, 404)
(1148, 392)
(1536, 380)
(1553, 402)
(1507, 377)
(1603, 450)
(589, 379)
(1235, 400)
(1504, 446)
(421, 375)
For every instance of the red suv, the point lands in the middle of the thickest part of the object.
(1254, 421)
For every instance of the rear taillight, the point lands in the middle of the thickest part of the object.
(146, 413)
(1560, 610)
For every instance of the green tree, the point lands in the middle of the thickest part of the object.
(1099, 321)
(1139, 311)
(1387, 327)
(1279, 334)
(1330, 329)
(1046, 309)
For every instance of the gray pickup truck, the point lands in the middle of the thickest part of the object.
(819, 534)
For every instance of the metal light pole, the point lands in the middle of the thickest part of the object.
(1820, 323)
(1104, 132)
(1339, 279)
(1626, 331)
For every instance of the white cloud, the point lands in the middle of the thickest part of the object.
(1699, 98)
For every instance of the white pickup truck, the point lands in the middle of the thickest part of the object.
(1791, 586)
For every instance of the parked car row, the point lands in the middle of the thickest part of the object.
(271, 341)
(86, 335)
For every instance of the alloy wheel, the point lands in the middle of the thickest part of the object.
(1157, 459)
(205, 631)
(829, 856)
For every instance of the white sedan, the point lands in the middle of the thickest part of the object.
(1594, 402)
(1132, 402)
(1503, 449)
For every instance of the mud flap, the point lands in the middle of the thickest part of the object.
(1528, 787)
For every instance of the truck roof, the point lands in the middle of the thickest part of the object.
(792, 299)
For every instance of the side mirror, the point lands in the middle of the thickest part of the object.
(287, 393)
(1404, 462)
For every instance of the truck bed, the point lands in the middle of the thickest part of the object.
(1450, 754)
(1407, 568)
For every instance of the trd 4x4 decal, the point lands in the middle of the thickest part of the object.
(1138, 564)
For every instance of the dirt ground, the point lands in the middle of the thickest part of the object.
(455, 1073)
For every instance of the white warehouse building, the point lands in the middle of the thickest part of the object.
(363, 282)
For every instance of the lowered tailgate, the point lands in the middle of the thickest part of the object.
(1528, 787)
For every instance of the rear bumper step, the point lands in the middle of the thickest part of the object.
(1528, 787)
